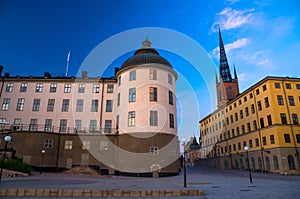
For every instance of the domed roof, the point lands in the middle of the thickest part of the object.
(145, 55)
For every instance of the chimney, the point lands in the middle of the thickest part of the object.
(47, 75)
(84, 74)
(6, 74)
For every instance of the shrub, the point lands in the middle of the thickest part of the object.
(16, 165)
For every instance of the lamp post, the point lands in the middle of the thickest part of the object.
(246, 149)
(42, 162)
(184, 164)
(6, 139)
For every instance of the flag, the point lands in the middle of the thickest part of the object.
(68, 57)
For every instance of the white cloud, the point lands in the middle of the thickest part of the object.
(228, 47)
(232, 1)
(230, 19)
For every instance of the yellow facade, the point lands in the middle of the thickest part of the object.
(265, 118)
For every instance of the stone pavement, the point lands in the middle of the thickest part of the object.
(215, 183)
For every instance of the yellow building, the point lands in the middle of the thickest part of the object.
(265, 118)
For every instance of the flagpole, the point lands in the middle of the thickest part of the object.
(68, 60)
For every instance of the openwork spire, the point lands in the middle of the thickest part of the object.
(224, 67)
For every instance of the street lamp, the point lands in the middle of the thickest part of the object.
(42, 162)
(246, 149)
(184, 164)
(6, 139)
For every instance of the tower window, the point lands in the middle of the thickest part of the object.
(132, 94)
(171, 120)
(170, 97)
(153, 74)
(170, 81)
(153, 94)
(153, 118)
(131, 118)
(132, 75)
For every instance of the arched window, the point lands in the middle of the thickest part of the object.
(275, 160)
(291, 162)
(241, 163)
(259, 164)
(252, 164)
(267, 163)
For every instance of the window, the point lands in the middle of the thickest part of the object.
(36, 105)
(110, 88)
(131, 118)
(269, 117)
(109, 104)
(236, 116)
(252, 109)
(48, 143)
(153, 150)
(267, 102)
(171, 120)
(132, 75)
(275, 160)
(247, 111)
(240, 102)
(9, 87)
(96, 88)
(245, 99)
(117, 121)
(81, 88)
(234, 147)
(272, 139)
(103, 145)
(277, 85)
(256, 142)
(262, 123)
(68, 144)
(86, 145)
(291, 100)
(254, 125)
(232, 133)
(50, 106)
(298, 138)
(234, 105)
(241, 114)
(280, 99)
(288, 86)
(132, 95)
(291, 162)
(298, 86)
(170, 78)
(243, 129)
(39, 88)
(52, 88)
(257, 91)
(108, 125)
(295, 118)
(20, 104)
(250, 144)
(170, 97)
(283, 118)
(119, 81)
(119, 98)
(259, 105)
(153, 94)
(93, 125)
(33, 125)
(67, 88)
(63, 125)
(153, 74)
(17, 122)
(94, 107)
(239, 146)
(5, 104)
(244, 143)
(78, 125)
(248, 127)
(79, 105)
(48, 124)
(65, 105)
(264, 87)
(23, 88)
(237, 130)
(231, 119)
(287, 138)
(264, 140)
(153, 118)
(251, 95)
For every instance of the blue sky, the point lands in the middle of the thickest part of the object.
(261, 38)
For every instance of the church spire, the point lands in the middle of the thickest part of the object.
(224, 67)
